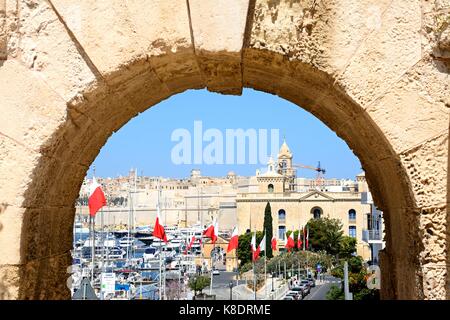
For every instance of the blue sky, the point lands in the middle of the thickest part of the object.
(145, 141)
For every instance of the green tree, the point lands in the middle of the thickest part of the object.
(268, 229)
(198, 283)
(244, 251)
(325, 234)
(357, 278)
(335, 293)
(348, 247)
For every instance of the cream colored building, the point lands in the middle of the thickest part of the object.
(293, 206)
(196, 200)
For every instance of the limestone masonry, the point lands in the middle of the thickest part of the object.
(71, 73)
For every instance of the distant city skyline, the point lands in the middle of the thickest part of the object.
(146, 143)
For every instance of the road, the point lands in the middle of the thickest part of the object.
(221, 288)
(222, 281)
(319, 292)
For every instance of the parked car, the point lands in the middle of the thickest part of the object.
(295, 294)
(216, 272)
(288, 298)
(300, 291)
(304, 284)
(312, 282)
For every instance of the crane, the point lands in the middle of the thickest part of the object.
(320, 171)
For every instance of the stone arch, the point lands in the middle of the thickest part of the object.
(78, 72)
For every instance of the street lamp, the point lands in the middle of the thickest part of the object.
(231, 290)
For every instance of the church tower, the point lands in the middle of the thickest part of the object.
(270, 181)
(285, 166)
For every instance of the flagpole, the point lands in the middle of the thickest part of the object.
(93, 249)
(265, 263)
(160, 275)
(254, 269)
(254, 278)
(237, 266)
(212, 260)
(160, 246)
(265, 270)
(93, 238)
(164, 272)
(304, 239)
(212, 267)
(102, 239)
(97, 200)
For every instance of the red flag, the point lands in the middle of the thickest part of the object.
(255, 250)
(290, 243)
(159, 231)
(274, 243)
(191, 243)
(189, 246)
(96, 198)
(234, 241)
(299, 239)
(212, 232)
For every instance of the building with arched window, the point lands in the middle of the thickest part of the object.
(339, 201)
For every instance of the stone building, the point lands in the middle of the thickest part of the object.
(195, 200)
(293, 207)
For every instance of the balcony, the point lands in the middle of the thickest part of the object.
(372, 236)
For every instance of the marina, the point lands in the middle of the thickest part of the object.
(131, 260)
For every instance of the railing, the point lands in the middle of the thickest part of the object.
(372, 235)
(279, 293)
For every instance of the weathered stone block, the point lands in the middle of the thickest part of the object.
(48, 49)
(218, 43)
(11, 219)
(426, 166)
(384, 56)
(34, 110)
(417, 110)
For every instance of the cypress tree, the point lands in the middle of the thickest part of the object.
(268, 229)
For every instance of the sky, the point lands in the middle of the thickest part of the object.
(146, 141)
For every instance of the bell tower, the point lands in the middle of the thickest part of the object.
(285, 166)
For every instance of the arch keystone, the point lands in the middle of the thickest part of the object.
(218, 29)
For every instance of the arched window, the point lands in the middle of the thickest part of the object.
(281, 216)
(351, 214)
(316, 212)
(270, 188)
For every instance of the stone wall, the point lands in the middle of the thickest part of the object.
(76, 72)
